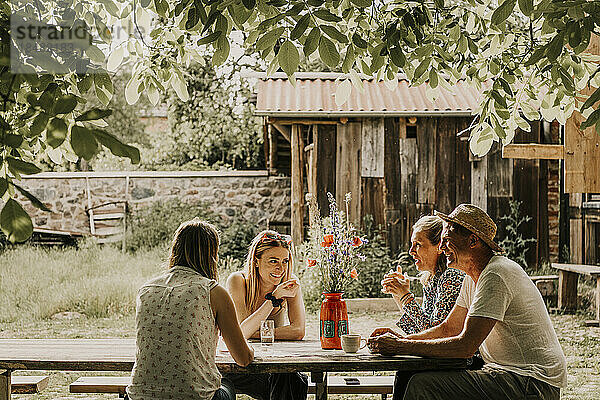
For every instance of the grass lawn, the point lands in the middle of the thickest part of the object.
(581, 345)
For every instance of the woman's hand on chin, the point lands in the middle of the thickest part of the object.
(288, 288)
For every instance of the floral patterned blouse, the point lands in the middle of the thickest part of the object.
(439, 296)
(176, 338)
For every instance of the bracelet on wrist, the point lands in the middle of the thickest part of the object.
(274, 300)
(407, 295)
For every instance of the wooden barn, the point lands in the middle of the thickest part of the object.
(400, 156)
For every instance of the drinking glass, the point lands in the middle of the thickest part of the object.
(267, 332)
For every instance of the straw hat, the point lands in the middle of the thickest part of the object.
(476, 220)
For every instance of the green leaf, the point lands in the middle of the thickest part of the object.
(326, 15)
(15, 222)
(567, 80)
(249, 4)
(503, 11)
(161, 7)
(555, 47)
(193, 17)
(85, 84)
(65, 104)
(47, 98)
(288, 58)
(498, 99)
(333, 33)
(592, 119)
(34, 200)
(93, 114)
(362, 3)
(348, 59)
(13, 141)
(239, 14)
(420, 70)
(39, 124)
(398, 57)
(3, 186)
(433, 79)
(300, 27)
(526, 6)
(222, 52)
(209, 38)
(22, 167)
(116, 147)
(267, 41)
(359, 41)
(574, 34)
(329, 52)
(535, 57)
(593, 99)
(312, 41)
(83, 142)
(56, 132)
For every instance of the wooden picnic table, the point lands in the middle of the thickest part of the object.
(283, 356)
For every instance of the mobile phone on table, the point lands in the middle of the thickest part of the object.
(352, 381)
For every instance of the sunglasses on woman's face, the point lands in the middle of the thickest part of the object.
(276, 236)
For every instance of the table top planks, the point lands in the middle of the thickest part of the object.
(282, 356)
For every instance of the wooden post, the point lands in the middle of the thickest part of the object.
(297, 184)
(320, 381)
(392, 189)
(5, 384)
(272, 151)
(479, 183)
(567, 290)
(324, 164)
(348, 168)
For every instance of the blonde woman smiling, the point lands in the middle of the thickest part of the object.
(267, 289)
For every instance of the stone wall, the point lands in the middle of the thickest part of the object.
(251, 195)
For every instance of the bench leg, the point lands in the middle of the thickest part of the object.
(320, 381)
(598, 298)
(567, 290)
(383, 396)
(5, 384)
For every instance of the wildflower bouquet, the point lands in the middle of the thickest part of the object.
(334, 246)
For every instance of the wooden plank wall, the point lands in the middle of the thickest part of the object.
(324, 164)
(526, 180)
(392, 182)
(348, 167)
(372, 170)
(582, 148)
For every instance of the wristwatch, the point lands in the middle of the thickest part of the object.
(274, 300)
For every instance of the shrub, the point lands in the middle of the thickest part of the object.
(514, 244)
(154, 226)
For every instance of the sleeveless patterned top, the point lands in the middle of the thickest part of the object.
(176, 338)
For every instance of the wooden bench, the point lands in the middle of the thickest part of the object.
(382, 385)
(545, 284)
(567, 286)
(28, 384)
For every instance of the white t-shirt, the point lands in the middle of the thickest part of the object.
(176, 338)
(523, 340)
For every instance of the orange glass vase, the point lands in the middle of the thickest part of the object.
(333, 321)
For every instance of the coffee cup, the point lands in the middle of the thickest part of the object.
(351, 343)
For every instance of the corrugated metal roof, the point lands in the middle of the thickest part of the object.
(314, 96)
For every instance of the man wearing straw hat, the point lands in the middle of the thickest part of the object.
(498, 311)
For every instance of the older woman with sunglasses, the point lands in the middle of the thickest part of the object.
(267, 289)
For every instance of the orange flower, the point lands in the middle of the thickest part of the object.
(354, 274)
(311, 262)
(327, 241)
(356, 241)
